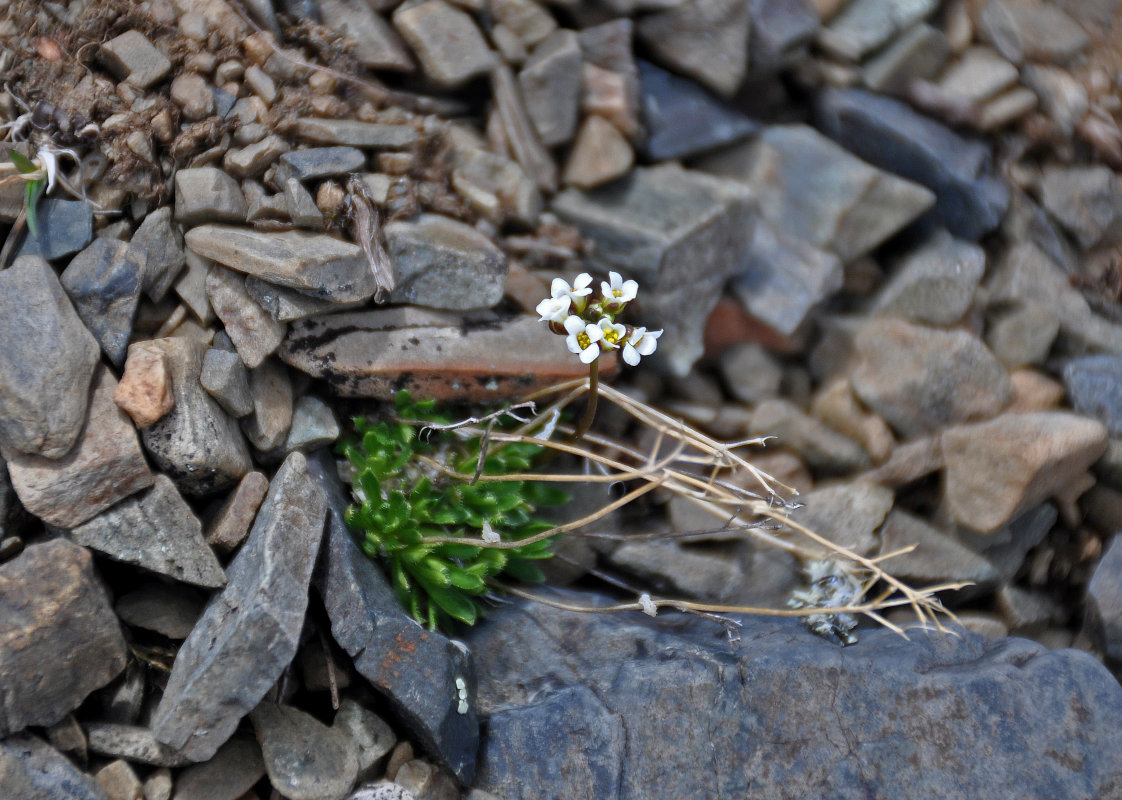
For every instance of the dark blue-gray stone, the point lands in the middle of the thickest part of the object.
(1094, 384)
(318, 162)
(30, 769)
(104, 283)
(414, 668)
(971, 199)
(780, 31)
(622, 706)
(64, 227)
(1104, 602)
(682, 119)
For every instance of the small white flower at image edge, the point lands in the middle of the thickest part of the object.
(641, 342)
(583, 339)
(554, 309)
(581, 287)
(489, 534)
(617, 290)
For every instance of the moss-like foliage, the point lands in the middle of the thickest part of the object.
(401, 502)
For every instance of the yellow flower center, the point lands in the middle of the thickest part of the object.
(611, 336)
(617, 292)
(583, 340)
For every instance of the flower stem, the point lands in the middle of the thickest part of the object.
(593, 396)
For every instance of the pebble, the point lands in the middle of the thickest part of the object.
(445, 40)
(133, 743)
(302, 208)
(714, 573)
(937, 557)
(920, 379)
(600, 154)
(45, 351)
(56, 616)
(104, 283)
(613, 96)
(382, 791)
(158, 785)
(355, 133)
(1063, 97)
(65, 227)
(550, 81)
(917, 54)
(373, 738)
(197, 444)
(977, 75)
(886, 133)
(261, 84)
(67, 735)
(376, 45)
(305, 759)
(288, 305)
(253, 159)
(230, 524)
(1034, 391)
(207, 194)
(314, 263)
(1026, 611)
(255, 334)
(1025, 459)
(105, 465)
(864, 26)
(848, 514)
(144, 392)
(155, 530)
(226, 379)
(119, 781)
(934, 282)
(163, 244)
(1085, 200)
(272, 395)
(194, 96)
(30, 768)
(313, 425)
(314, 163)
(1031, 31)
(820, 447)
(132, 57)
(168, 609)
(706, 40)
(1023, 335)
(527, 19)
(191, 287)
(1104, 602)
(837, 406)
(249, 632)
(750, 372)
(495, 186)
(780, 32)
(228, 775)
(1094, 384)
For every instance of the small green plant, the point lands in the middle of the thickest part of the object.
(36, 181)
(409, 512)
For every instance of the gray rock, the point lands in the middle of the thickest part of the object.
(780, 31)
(155, 530)
(970, 199)
(313, 263)
(865, 25)
(1104, 602)
(917, 54)
(750, 372)
(271, 391)
(445, 40)
(684, 120)
(373, 738)
(230, 524)
(288, 305)
(1005, 548)
(105, 465)
(933, 282)
(313, 163)
(550, 83)
(680, 233)
(255, 334)
(119, 780)
(65, 227)
(1094, 385)
(313, 425)
(382, 791)
(614, 722)
(786, 278)
(713, 573)
(1031, 31)
(133, 743)
(31, 769)
(1023, 335)
(978, 75)
(248, 633)
(848, 514)
(820, 447)
(194, 96)
(305, 759)
(528, 20)
(610, 76)
(376, 45)
(232, 772)
(104, 283)
(197, 444)
(55, 615)
(132, 57)
(517, 126)
(938, 557)
(369, 623)
(302, 208)
(921, 379)
(45, 351)
(191, 287)
(163, 245)
(819, 193)
(207, 194)
(1087, 201)
(1063, 96)
(226, 378)
(355, 133)
(253, 159)
(704, 39)
(440, 262)
(168, 609)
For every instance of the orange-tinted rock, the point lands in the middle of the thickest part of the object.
(144, 392)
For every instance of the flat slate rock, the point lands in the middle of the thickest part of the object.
(934, 282)
(132, 743)
(233, 771)
(30, 769)
(591, 705)
(255, 334)
(104, 282)
(45, 351)
(65, 227)
(415, 669)
(158, 531)
(168, 609)
(1094, 384)
(59, 638)
(250, 631)
(313, 263)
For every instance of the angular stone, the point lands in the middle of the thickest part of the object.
(254, 333)
(495, 186)
(305, 759)
(1094, 384)
(445, 40)
(155, 530)
(271, 391)
(714, 573)
(613, 96)
(312, 163)
(132, 57)
(600, 154)
(820, 447)
(31, 769)
(119, 781)
(198, 445)
(440, 262)
(417, 670)
(168, 609)
(313, 263)
(819, 193)
(253, 159)
(704, 39)
(518, 129)
(836, 405)
(191, 287)
(194, 96)
(231, 523)
(65, 227)
(1031, 31)
(288, 305)
(750, 372)
(313, 425)
(55, 614)
(1063, 97)
(376, 45)
(999, 468)
(978, 75)
(526, 19)
(937, 557)
(207, 194)
(865, 25)
(105, 465)
(249, 632)
(669, 228)
(369, 732)
(134, 743)
(922, 379)
(232, 772)
(355, 133)
(780, 31)
(917, 54)
(158, 785)
(550, 82)
(1104, 602)
(1023, 335)
(104, 283)
(45, 352)
(302, 208)
(848, 514)
(1086, 200)
(682, 119)
(970, 199)
(226, 378)
(164, 247)
(934, 282)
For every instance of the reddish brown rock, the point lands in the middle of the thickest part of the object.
(144, 392)
(600, 154)
(231, 524)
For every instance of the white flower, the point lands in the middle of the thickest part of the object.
(641, 342)
(584, 338)
(554, 309)
(580, 288)
(617, 291)
(612, 333)
(48, 163)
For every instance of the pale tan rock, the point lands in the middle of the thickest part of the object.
(145, 392)
(837, 406)
(1034, 391)
(600, 154)
(606, 94)
(119, 781)
(231, 524)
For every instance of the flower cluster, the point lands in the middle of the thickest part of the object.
(587, 318)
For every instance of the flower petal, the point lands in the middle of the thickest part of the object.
(574, 324)
(590, 353)
(630, 355)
